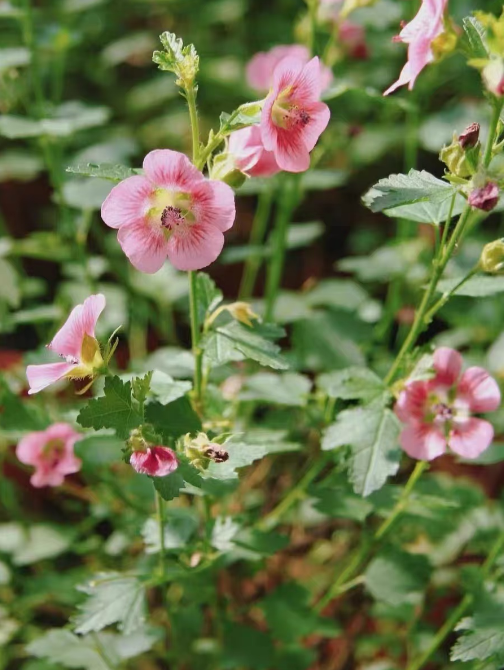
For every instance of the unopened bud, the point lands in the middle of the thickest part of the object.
(485, 198)
(224, 169)
(454, 157)
(493, 76)
(492, 257)
(470, 136)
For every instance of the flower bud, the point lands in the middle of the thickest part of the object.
(155, 461)
(485, 198)
(493, 76)
(242, 312)
(454, 157)
(492, 257)
(224, 169)
(470, 136)
(200, 451)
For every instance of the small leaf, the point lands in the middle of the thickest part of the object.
(166, 389)
(177, 58)
(169, 487)
(484, 634)
(372, 433)
(178, 529)
(248, 342)
(474, 41)
(208, 295)
(173, 420)
(104, 171)
(114, 409)
(397, 578)
(479, 286)
(352, 384)
(289, 388)
(246, 115)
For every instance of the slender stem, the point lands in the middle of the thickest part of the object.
(160, 513)
(259, 225)
(448, 294)
(494, 122)
(195, 335)
(356, 560)
(286, 205)
(193, 115)
(459, 612)
(30, 42)
(312, 15)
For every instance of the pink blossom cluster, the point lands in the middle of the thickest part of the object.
(438, 412)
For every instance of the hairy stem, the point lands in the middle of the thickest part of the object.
(193, 115)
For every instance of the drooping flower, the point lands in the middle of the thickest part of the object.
(154, 461)
(293, 117)
(419, 34)
(260, 68)
(249, 155)
(438, 412)
(485, 198)
(51, 451)
(172, 212)
(76, 343)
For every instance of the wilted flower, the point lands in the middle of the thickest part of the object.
(485, 198)
(261, 67)
(419, 34)
(51, 451)
(293, 118)
(76, 343)
(248, 154)
(173, 211)
(438, 412)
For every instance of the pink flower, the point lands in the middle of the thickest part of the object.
(485, 198)
(419, 34)
(292, 117)
(154, 461)
(51, 451)
(261, 67)
(438, 412)
(173, 211)
(76, 343)
(249, 154)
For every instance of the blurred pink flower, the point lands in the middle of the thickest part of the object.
(438, 412)
(419, 35)
(353, 37)
(51, 451)
(485, 198)
(76, 343)
(173, 211)
(261, 67)
(249, 154)
(154, 461)
(293, 118)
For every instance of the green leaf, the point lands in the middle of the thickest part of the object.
(245, 341)
(260, 543)
(474, 41)
(11, 57)
(246, 647)
(323, 180)
(36, 543)
(115, 409)
(104, 171)
(113, 599)
(484, 633)
(352, 384)
(68, 119)
(18, 415)
(166, 389)
(246, 115)
(85, 195)
(289, 388)
(242, 454)
(338, 502)
(386, 262)
(97, 450)
(435, 213)
(398, 578)
(399, 189)
(178, 529)
(372, 433)
(173, 420)
(479, 286)
(208, 295)
(169, 487)
(177, 58)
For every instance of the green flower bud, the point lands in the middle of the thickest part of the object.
(492, 257)
(454, 157)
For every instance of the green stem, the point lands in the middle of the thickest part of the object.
(195, 335)
(160, 513)
(448, 294)
(286, 205)
(312, 15)
(259, 225)
(30, 42)
(339, 586)
(459, 612)
(494, 122)
(193, 115)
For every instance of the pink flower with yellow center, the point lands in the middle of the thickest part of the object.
(76, 343)
(172, 212)
(51, 452)
(419, 35)
(293, 118)
(261, 67)
(154, 461)
(438, 413)
(249, 154)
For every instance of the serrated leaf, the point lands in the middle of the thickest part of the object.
(289, 388)
(169, 487)
(246, 115)
(400, 189)
(115, 409)
(166, 389)
(372, 434)
(173, 420)
(397, 578)
(351, 384)
(248, 342)
(104, 171)
(485, 635)
(242, 454)
(178, 529)
(479, 286)
(474, 41)
(113, 599)
(177, 58)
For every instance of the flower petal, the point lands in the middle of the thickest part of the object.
(447, 364)
(145, 246)
(41, 376)
(471, 438)
(422, 441)
(155, 462)
(81, 321)
(308, 84)
(480, 389)
(171, 170)
(286, 73)
(193, 247)
(221, 210)
(319, 118)
(30, 447)
(127, 202)
(291, 153)
(411, 404)
(268, 129)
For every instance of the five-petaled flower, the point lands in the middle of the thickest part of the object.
(437, 412)
(51, 451)
(249, 155)
(293, 117)
(76, 343)
(173, 211)
(155, 461)
(419, 34)
(262, 65)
